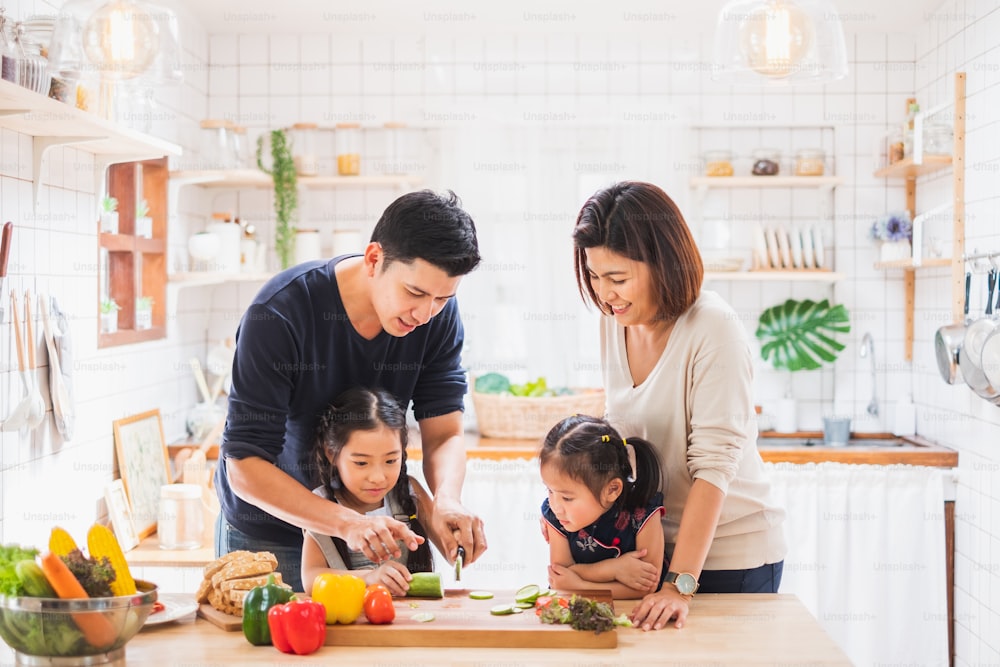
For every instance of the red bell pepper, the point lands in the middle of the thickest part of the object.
(298, 626)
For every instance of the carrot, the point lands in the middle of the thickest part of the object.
(96, 629)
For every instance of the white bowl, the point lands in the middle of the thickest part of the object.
(204, 246)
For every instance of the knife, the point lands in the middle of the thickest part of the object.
(459, 559)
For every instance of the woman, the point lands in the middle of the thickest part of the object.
(678, 372)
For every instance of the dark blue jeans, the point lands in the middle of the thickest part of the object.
(228, 538)
(763, 579)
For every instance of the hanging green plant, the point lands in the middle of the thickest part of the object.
(286, 196)
(797, 335)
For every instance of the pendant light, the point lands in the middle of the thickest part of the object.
(779, 41)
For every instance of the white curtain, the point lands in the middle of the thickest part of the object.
(866, 555)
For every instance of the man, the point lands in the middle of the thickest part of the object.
(387, 318)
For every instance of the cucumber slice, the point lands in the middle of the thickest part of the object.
(423, 617)
(527, 593)
(425, 585)
(502, 610)
(524, 605)
(481, 595)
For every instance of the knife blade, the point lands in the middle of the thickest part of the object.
(459, 559)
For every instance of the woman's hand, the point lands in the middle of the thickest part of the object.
(656, 609)
(393, 575)
(563, 578)
(454, 525)
(636, 573)
(377, 537)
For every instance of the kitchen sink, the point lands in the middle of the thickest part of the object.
(774, 443)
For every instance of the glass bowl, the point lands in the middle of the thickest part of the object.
(49, 631)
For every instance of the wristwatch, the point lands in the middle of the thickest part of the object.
(685, 583)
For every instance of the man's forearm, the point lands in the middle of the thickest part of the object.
(444, 466)
(276, 492)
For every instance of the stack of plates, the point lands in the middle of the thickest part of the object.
(778, 248)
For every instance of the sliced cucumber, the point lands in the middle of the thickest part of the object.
(527, 593)
(524, 605)
(425, 585)
(502, 610)
(423, 617)
(481, 595)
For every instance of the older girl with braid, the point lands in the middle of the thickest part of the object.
(602, 513)
(360, 461)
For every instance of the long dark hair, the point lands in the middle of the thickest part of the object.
(362, 409)
(639, 221)
(591, 451)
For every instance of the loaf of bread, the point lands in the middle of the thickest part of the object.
(228, 579)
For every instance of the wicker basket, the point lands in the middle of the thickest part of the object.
(506, 416)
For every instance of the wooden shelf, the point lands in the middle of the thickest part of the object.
(815, 182)
(908, 265)
(254, 178)
(906, 168)
(202, 278)
(775, 276)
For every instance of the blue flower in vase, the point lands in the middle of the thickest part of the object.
(894, 226)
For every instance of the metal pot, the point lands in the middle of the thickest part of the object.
(971, 353)
(948, 341)
(990, 359)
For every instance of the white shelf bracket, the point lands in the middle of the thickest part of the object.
(39, 147)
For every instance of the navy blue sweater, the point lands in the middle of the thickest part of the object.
(295, 352)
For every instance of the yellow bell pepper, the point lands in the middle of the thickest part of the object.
(343, 596)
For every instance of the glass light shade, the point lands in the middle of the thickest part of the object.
(121, 39)
(763, 41)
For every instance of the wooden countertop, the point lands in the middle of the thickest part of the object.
(721, 630)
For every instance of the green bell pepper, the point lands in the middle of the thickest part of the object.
(255, 607)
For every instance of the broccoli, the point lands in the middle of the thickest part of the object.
(94, 574)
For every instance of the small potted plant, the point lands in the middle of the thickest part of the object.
(799, 336)
(144, 312)
(109, 315)
(109, 215)
(894, 234)
(143, 223)
(282, 173)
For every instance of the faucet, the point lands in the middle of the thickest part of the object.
(868, 350)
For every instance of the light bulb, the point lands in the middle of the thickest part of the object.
(121, 40)
(776, 38)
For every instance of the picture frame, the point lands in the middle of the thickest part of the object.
(144, 464)
(120, 513)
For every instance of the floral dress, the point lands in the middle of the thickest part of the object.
(612, 535)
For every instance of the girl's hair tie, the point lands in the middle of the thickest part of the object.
(605, 438)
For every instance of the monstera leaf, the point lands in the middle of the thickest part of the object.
(797, 335)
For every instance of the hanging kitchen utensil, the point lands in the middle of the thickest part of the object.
(971, 354)
(990, 358)
(948, 341)
(8, 230)
(199, 377)
(19, 415)
(36, 413)
(64, 350)
(57, 388)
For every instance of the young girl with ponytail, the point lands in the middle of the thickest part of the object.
(602, 514)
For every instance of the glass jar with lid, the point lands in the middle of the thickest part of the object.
(718, 162)
(8, 52)
(217, 146)
(396, 148)
(810, 162)
(304, 138)
(766, 162)
(33, 68)
(348, 140)
(240, 147)
(938, 139)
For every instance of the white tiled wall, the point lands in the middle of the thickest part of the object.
(44, 479)
(960, 36)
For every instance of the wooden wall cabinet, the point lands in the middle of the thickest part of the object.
(133, 266)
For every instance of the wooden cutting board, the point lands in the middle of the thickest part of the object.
(220, 619)
(462, 621)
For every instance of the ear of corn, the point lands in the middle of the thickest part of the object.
(60, 542)
(101, 542)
